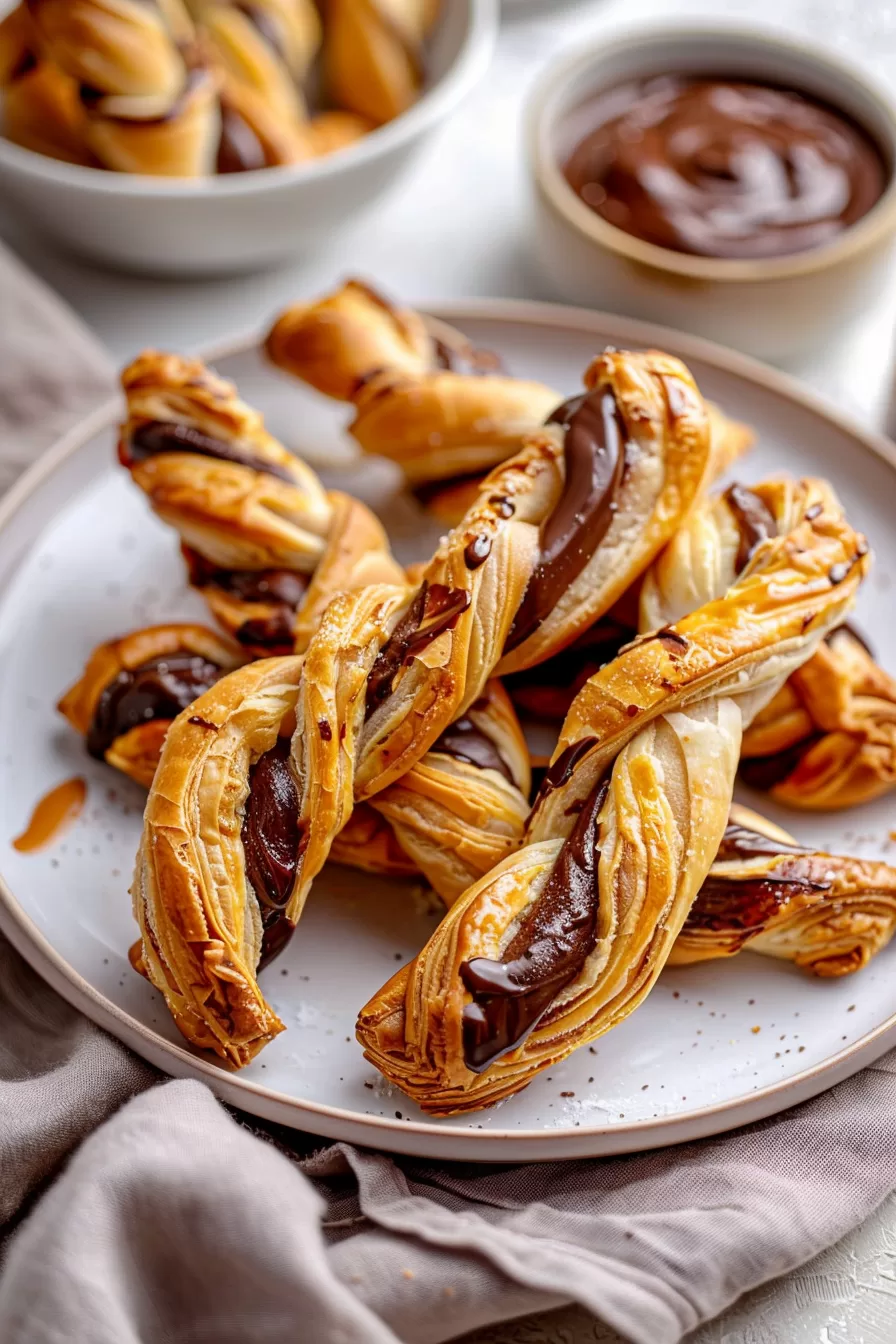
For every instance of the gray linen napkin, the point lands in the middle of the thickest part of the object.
(175, 1220)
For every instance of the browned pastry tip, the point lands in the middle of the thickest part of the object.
(42, 112)
(766, 893)
(373, 55)
(333, 130)
(336, 342)
(828, 739)
(120, 47)
(134, 686)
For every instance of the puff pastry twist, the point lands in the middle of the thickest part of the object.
(565, 938)
(828, 739)
(265, 544)
(768, 894)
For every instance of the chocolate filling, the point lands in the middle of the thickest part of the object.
(594, 453)
(548, 689)
(755, 522)
(284, 589)
(764, 772)
(272, 844)
(239, 148)
(158, 689)
(554, 940)
(467, 359)
(163, 436)
(435, 609)
(747, 904)
(466, 741)
(561, 770)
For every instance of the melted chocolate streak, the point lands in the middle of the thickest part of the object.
(594, 454)
(272, 843)
(466, 742)
(282, 589)
(435, 609)
(755, 522)
(158, 689)
(747, 904)
(163, 436)
(548, 950)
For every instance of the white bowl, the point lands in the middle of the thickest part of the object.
(775, 308)
(248, 220)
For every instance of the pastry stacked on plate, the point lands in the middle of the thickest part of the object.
(355, 712)
(187, 88)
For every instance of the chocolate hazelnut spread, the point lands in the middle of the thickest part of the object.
(594, 456)
(158, 689)
(272, 843)
(722, 168)
(554, 940)
(466, 741)
(164, 436)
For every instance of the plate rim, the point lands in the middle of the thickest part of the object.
(432, 1139)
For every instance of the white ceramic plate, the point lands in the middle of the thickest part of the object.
(82, 558)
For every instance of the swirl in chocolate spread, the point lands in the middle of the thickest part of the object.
(722, 168)
(467, 741)
(755, 522)
(272, 844)
(594, 455)
(163, 436)
(435, 609)
(158, 689)
(747, 903)
(549, 949)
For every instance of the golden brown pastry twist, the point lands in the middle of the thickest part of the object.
(133, 687)
(564, 939)
(373, 54)
(766, 893)
(828, 739)
(388, 671)
(265, 544)
(424, 396)
(148, 96)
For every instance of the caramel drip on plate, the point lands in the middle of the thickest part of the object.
(52, 814)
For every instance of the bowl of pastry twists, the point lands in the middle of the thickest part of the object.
(430, 769)
(199, 136)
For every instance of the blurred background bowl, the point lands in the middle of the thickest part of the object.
(777, 308)
(246, 221)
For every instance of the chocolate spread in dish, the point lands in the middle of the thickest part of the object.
(723, 168)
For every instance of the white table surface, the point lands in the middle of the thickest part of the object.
(459, 225)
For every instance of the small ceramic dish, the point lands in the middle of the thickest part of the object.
(249, 220)
(777, 307)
